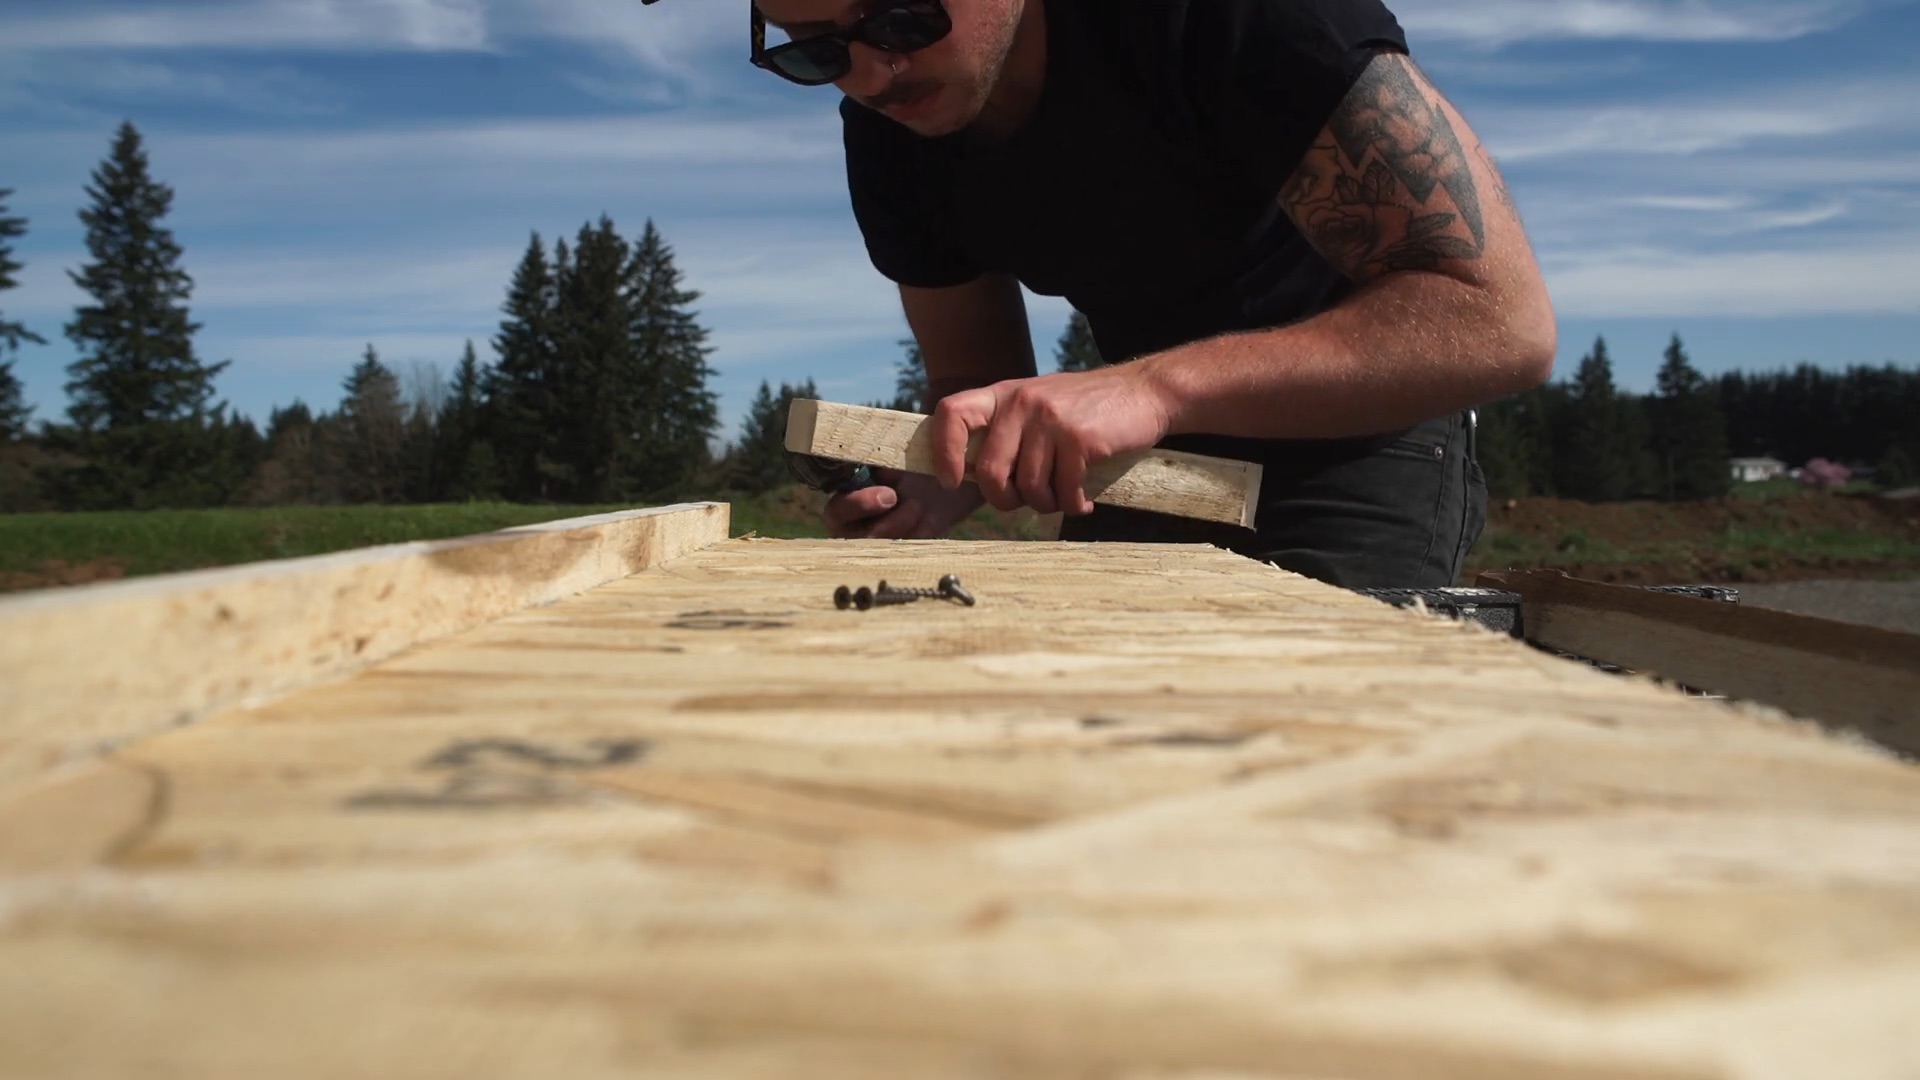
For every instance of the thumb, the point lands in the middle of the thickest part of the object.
(954, 421)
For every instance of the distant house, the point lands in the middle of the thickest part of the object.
(1747, 470)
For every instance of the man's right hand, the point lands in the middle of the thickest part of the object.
(900, 506)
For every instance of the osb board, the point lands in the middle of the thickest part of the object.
(84, 668)
(1142, 813)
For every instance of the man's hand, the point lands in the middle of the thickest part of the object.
(900, 506)
(1042, 434)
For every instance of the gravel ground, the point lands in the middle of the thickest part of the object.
(1894, 605)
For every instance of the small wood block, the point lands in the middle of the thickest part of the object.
(1860, 677)
(1166, 481)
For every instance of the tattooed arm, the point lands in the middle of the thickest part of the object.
(1450, 309)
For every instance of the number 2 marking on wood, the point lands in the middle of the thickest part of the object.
(473, 786)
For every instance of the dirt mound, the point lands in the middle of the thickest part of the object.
(1736, 539)
(55, 572)
(1643, 523)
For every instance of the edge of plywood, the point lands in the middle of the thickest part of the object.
(1839, 674)
(84, 668)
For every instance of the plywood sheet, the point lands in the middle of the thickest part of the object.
(1144, 812)
(84, 668)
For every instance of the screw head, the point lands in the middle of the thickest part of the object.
(863, 598)
(950, 586)
(842, 597)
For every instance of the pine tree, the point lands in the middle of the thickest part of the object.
(1516, 444)
(911, 391)
(758, 461)
(521, 399)
(1689, 431)
(466, 468)
(1590, 461)
(140, 399)
(138, 364)
(670, 411)
(593, 369)
(14, 413)
(372, 432)
(1077, 350)
(291, 472)
(1641, 476)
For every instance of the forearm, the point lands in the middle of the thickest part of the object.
(970, 335)
(1401, 349)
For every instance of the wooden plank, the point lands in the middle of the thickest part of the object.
(87, 667)
(1142, 812)
(1862, 677)
(1166, 481)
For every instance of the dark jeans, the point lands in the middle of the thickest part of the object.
(1397, 512)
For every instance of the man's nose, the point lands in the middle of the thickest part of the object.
(871, 71)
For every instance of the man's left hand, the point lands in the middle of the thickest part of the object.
(1042, 434)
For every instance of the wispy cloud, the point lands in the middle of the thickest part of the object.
(1873, 278)
(252, 24)
(1495, 23)
(1683, 127)
(44, 81)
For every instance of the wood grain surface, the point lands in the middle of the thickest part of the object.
(86, 667)
(1164, 481)
(1143, 812)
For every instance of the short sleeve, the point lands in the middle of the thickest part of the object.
(1265, 76)
(898, 202)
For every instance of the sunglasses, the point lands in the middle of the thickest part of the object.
(903, 26)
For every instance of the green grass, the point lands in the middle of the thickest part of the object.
(1786, 487)
(1519, 549)
(162, 541)
(1756, 544)
(139, 543)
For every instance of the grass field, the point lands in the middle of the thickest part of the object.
(38, 550)
(1753, 536)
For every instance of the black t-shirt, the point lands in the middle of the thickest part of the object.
(1144, 186)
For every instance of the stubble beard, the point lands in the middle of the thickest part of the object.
(978, 86)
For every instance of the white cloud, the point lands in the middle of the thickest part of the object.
(1705, 204)
(1680, 127)
(1801, 218)
(1861, 278)
(1494, 23)
(46, 81)
(356, 25)
(677, 41)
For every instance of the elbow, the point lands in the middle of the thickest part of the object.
(1532, 339)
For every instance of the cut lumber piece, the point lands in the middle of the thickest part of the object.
(1165, 481)
(90, 666)
(1223, 821)
(1862, 677)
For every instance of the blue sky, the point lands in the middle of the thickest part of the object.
(1746, 174)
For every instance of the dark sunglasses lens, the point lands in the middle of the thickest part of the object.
(906, 28)
(814, 60)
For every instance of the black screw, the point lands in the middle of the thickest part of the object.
(950, 585)
(862, 597)
(949, 590)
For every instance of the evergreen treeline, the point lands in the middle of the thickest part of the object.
(1583, 438)
(598, 392)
